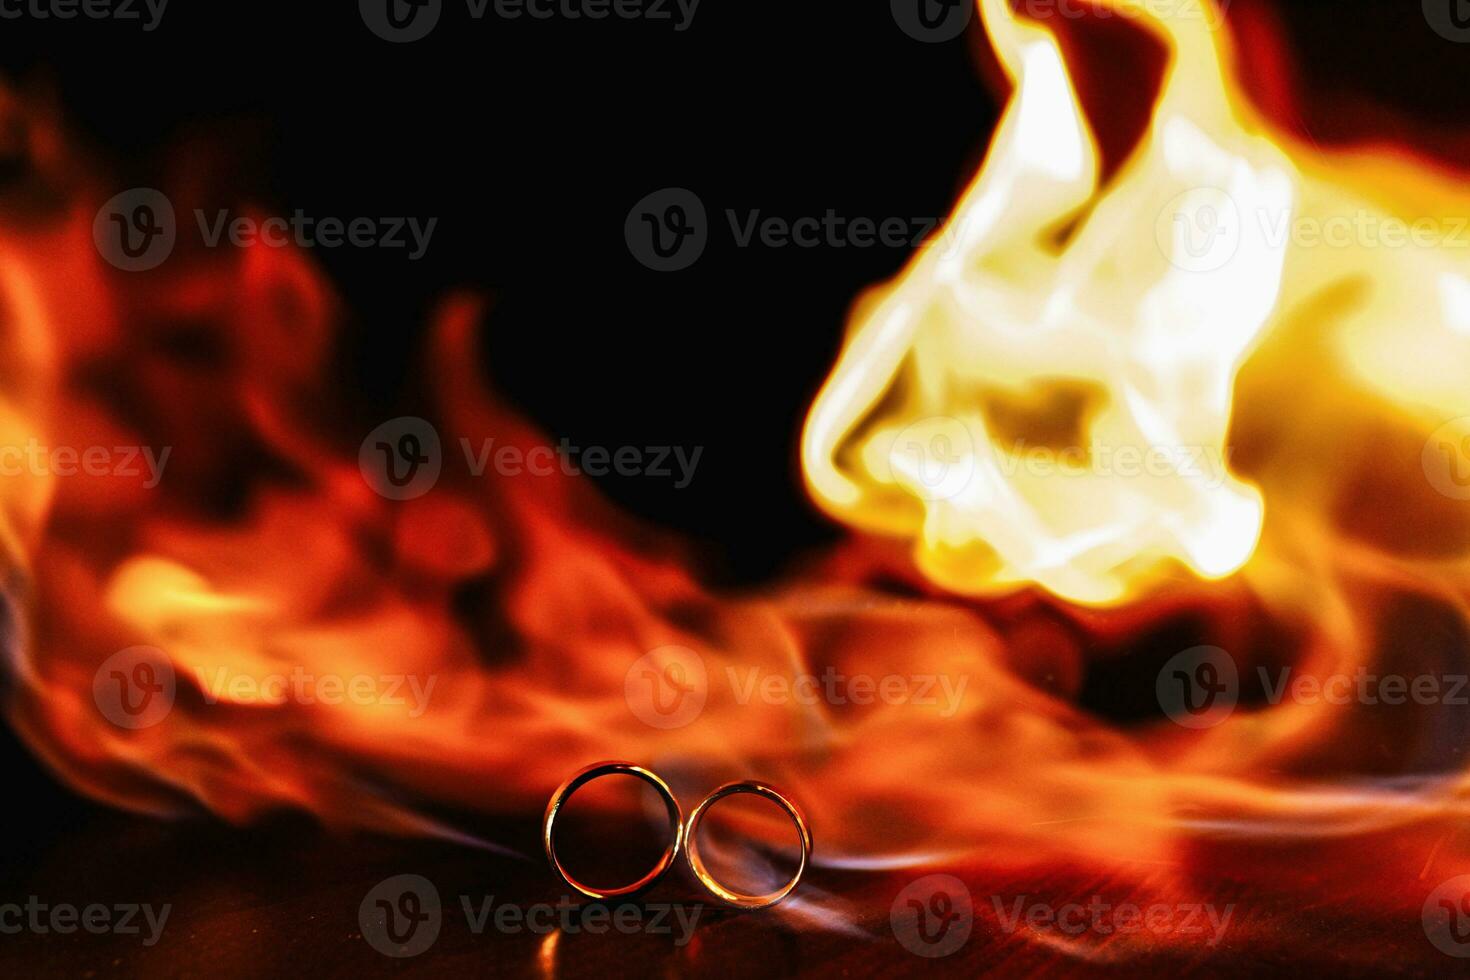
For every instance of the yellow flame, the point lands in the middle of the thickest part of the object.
(1044, 396)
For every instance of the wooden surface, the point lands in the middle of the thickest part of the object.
(284, 901)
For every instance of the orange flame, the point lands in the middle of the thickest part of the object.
(982, 410)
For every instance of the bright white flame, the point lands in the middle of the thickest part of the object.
(1044, 396)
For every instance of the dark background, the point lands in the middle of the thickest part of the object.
(530, 141)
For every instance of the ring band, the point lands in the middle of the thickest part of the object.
(696, 864)
(559, 798)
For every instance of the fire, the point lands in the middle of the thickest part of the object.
(1098, 404)
(1055, 314)
(987, 404)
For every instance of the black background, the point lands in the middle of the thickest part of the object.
(530, 141)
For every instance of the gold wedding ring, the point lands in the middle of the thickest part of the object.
(696, 864)
(559, 798)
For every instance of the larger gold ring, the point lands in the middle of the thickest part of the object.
(696, 864)
(559, 798)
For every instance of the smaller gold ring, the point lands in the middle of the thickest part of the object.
(580, 779)
(696, 864)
